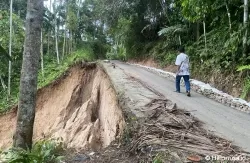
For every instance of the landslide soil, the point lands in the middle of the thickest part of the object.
(80, 107)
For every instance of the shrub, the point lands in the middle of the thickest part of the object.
(42, 151)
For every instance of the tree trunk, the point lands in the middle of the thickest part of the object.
(197, 31)
(57, 52)
(71, 43)
(48, 44)
(164, 9)
(245, 21)
(49, 32)
(28, 81)
(229, 18)
(64, 43)
(205, 37)
(68, 44)
(10, 46)
(2, 82)
(64, 32)
(42, 66)
(179, 37)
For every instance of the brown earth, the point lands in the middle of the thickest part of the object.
(77, 107)
(83, 107)
(157, 130)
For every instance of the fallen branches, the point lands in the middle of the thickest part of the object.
(169, 127)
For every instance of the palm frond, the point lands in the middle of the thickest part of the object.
(172, 30)
(245, 67)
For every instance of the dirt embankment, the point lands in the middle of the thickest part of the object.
(157, 130)
(80, 107)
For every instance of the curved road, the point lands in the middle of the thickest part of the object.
(224, 121)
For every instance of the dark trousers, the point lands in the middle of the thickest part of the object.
(178, 80)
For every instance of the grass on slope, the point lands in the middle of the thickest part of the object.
(52, 71)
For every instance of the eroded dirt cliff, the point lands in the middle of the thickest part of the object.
(80, 107)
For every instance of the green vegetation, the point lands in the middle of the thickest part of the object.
(70, 33)
(118, 52)
(49, 151)
(51, 72)
(16, 57)
(158, 158)
(246, 88)
(213, 32)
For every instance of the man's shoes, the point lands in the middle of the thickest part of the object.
(188, 93)
(177, 91)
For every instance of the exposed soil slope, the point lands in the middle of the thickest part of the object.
(80, 107)
(157, 129)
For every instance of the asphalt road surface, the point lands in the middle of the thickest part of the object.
(224, 121)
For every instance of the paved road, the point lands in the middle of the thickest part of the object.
(224, 121)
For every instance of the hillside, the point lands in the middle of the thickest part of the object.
(106, 110)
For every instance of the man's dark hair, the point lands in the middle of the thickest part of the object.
(181, 49)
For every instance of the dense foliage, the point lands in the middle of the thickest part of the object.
(140, 23)
(17, 48)
(65, 38)
(49, 151)
(213, 32)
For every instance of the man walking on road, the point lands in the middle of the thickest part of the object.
(182, 61)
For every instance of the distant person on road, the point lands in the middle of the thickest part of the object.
(182, 61)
